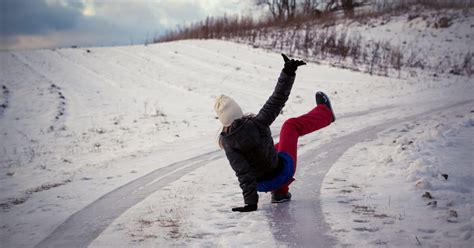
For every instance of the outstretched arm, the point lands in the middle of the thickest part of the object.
(272, 107)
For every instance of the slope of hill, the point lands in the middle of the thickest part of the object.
(395, 41)
(78, 123)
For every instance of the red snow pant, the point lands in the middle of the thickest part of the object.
(293, 128)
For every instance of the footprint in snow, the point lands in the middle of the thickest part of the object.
(4, 105)
(200, 235)
(346, 201)
(361, 221)
(226, 225)
(426, 230)
(388, 222)
(365, 229)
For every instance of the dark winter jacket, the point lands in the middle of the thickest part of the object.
(248, 143)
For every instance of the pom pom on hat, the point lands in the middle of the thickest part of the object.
(227, 110)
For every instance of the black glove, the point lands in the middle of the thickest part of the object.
(246, 208)
(291, 65)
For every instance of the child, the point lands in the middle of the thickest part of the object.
(259, 164)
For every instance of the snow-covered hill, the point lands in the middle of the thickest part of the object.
(399, 42)
(78, 123)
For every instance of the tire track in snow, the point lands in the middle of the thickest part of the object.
(83, 227)
(234, 61)
(152, 63)
(191, 75)
(300, 223)
(82, 69)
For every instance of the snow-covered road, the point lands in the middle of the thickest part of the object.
(300, 223)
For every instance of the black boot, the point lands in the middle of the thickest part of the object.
(322, 98)
(279, 198)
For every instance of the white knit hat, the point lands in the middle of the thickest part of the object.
(227, 110)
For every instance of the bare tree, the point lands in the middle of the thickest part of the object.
(331, 5)
(310, 7)
(280, 9)
(290, 7)
(347, 6)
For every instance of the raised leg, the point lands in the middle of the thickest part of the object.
(319, 117)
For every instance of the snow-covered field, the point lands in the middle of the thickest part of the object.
(79, 123)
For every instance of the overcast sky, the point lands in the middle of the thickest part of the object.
(58, 23)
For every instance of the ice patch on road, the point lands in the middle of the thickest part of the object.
(192, 211)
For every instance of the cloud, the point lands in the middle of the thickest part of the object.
(54, 23)
(171, 13)
(174, 13)
(32, 17)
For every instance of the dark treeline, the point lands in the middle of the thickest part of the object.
(282, 13)
(308, 30)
